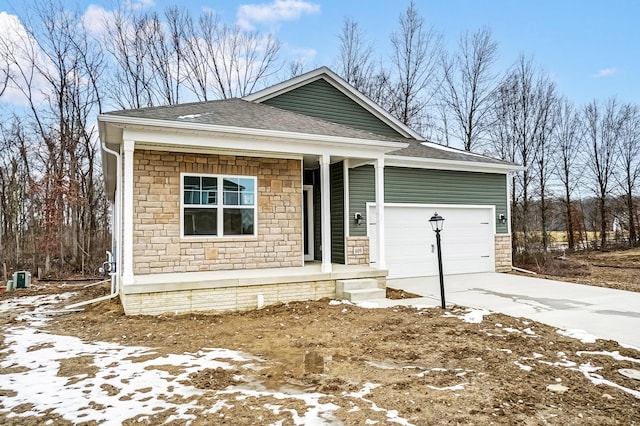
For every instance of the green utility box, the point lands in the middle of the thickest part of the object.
(21, 279)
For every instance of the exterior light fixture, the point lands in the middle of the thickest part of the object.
(358, 218)
(437, 223)
(502, 218)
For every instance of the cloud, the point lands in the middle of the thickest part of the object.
(279, 10)
(96, 19)
(606, 72)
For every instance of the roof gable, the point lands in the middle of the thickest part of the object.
(323, 94)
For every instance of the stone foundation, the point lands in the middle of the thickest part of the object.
(503, 252)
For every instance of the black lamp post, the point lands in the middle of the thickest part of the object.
(436, 224)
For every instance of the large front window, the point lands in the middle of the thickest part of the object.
(216, 205)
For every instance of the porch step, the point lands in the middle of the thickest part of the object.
(359, 290)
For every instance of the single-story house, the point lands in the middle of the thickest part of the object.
(238, 203)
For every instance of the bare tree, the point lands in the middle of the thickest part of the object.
(603, 124)
(521, 113)
(567, 138)
(355, 64)
(469, 82)
(227, 61)
(415, 58)
(629, 170)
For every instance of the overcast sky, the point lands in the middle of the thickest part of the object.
(591, 48)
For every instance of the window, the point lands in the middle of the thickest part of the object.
(215, 205)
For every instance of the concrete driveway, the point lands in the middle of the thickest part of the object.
(601, 312)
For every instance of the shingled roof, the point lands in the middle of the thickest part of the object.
(239, 113)
(245, 114)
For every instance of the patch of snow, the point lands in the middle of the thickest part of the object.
(447, 388)
(537, 355)
(190, 116)
(367, 305)
(529, 331)
(511, 330)
(581, 335)
(615, 355)
(589, 372)
(522, 366)
(509, 351)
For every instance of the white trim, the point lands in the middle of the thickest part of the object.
(454, 165)
(339, 83)
(325, 211)
(220, 207)
(140, 129)
(127, 212)
(310, 229)
(380, 230)
(347, 211)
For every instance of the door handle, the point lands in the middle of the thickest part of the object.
(433, 247)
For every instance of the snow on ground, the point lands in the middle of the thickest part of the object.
(581, 335)
(125, 382)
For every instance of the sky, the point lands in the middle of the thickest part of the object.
(590, 48)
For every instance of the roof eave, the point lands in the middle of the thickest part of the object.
(456, 165)
(387, 146)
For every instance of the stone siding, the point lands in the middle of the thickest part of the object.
(357, 251)
(158, 247)
(503, 252)
(225, 298)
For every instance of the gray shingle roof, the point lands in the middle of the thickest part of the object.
(244, 114)
(419, 150)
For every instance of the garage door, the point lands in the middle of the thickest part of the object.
(467, 240)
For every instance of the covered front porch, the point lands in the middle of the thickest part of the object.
(231, 290)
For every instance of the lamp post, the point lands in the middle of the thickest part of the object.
(436, 222)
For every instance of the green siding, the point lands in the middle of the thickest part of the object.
(337, 213)
(361, 190)
(405, 185)
(322, 100)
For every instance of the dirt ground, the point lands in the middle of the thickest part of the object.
(618, 269)
(400, 365)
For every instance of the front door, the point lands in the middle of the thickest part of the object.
(307, 202)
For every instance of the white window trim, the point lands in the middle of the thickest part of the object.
(220, 207)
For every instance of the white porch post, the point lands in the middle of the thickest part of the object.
(325, 215)
(379, 171)
(127, 219)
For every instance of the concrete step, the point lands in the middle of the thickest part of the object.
(359, 290)
(363, 295)
(355, 284)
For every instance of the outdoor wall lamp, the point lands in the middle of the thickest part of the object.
(358, 218)
(502, 218)
(437, 223)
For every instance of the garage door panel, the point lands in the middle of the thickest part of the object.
(410, 243)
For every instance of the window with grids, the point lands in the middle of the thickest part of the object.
(217, 205)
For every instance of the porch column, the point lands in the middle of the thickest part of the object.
(379, 171)
(325, 209)
(127, 210)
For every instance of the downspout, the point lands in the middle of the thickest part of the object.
(112, 262)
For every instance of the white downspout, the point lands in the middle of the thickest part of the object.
(113, 262)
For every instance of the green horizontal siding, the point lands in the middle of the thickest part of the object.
(417, 186)
(322, 100)
(337, 213)
(361, 190)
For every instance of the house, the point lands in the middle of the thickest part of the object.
(239, 203)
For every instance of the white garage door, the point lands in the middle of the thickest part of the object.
(467, 240)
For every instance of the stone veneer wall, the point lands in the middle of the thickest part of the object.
(158, 247)
(225, 298)
(503, 252)
(360, 245)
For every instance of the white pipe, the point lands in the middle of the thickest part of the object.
(117, 222)
(115, 291)
(526, 271)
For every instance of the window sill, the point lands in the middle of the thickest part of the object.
(212, 239)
